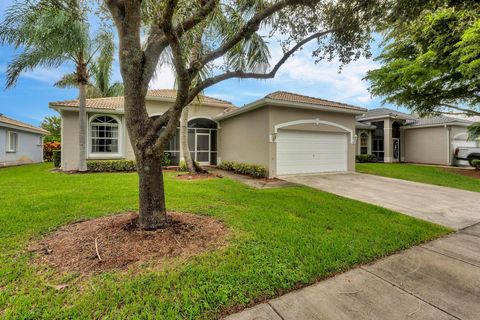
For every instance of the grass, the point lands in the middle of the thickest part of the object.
(284, 238)
(418, 173)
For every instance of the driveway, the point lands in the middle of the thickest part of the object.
(453, 208)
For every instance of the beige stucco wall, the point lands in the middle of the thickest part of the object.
(427, 145)
(246, 137)
(70, 137)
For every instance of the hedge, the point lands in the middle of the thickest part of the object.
(476, 163)
(365, 157)
(49, 148)
(111, 165)
(253, 170)
(120, 165)
(56, 157)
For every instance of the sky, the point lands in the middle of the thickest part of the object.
(28, 100)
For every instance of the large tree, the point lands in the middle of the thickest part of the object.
(338, 28)
(431, 58)
(50, 33)
(100, 82)
(53, 125)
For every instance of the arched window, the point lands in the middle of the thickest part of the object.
(104, 134)
(364, 143)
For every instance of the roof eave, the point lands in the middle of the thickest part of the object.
(280, 103)
(98, 110)
(20, 128)
(195, 102)
(456, 123)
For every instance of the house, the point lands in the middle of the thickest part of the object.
(20, 143)
(394, 136)
(285, 132)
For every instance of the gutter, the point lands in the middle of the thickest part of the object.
(75, 109)
(19, 128)
(461, 124)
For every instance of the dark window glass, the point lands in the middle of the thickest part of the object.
(396, 130)
(202, 123)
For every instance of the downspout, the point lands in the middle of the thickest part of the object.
(449, 146)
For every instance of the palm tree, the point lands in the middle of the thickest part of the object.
(99, 86)
(49, 34)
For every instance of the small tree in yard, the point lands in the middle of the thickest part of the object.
(53, 125)
(50, 33)
(339, 29)
(431, 58)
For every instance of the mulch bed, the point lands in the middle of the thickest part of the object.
(468, 173)
(121, 243)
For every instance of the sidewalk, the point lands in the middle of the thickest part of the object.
(437, 280)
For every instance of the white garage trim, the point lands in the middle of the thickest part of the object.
(303, 152)
(353, 137)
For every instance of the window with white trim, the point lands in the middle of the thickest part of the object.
(104, 135)
(40, 141)
(12, 141)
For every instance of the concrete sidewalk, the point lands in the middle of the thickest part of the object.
(437, 280)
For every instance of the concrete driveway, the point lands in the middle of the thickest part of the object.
(453, 208)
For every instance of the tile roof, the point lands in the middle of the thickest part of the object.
(436, 120)
(293, 97)
(116, 103)
(380, 112)
(21, 125)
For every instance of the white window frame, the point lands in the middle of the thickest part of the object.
(40, 140)
(9, 142)
(105, 155)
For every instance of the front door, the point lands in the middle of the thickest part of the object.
(202, 148)
(396, 150)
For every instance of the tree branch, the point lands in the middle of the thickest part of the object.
(467, 111)
(251, 75)
(250, 28)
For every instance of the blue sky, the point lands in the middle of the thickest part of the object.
(28, 100)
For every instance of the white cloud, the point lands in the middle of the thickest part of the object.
(347, 85)
(163, 79)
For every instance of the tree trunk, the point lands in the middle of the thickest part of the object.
(82, 128)
(187, 156)
(151, 196)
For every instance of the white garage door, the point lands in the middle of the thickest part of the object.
(309, 152)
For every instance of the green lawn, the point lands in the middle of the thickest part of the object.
(418, 173)
(283, 238)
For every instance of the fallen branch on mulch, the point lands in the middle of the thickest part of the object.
(122, 243)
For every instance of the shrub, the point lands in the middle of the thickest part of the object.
(111, 165)
(365, 157)
(476, 164)
(56, 158)
(167, 159)
(253, 170)
(48, 148)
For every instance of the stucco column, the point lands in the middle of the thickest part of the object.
(387, 143)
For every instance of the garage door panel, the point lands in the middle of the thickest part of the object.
(305, 152)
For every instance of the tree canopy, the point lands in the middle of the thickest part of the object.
(53, 125)
(431, 58)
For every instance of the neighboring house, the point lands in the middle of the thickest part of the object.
(20, 143)
(285, 132)
(394, 136)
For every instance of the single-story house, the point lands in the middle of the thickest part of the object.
(394, 136)
(287, 133)
(20, 143)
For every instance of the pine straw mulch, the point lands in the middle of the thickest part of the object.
(115, 242)
(466, 172)
(197, 176)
